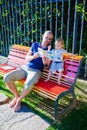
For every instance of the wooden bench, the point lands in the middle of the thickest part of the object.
(52, 92)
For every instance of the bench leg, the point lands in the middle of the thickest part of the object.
(67, 109)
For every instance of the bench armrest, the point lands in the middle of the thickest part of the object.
(3, 59)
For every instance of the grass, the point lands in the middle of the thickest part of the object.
(76, 120)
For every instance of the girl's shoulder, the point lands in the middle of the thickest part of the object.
(53, 50)
(63, 50)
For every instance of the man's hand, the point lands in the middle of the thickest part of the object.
(49, 48)
(45, 59)
(31, 57)
(36, 55)
(46, 62)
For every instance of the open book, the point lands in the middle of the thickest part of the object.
(42, 52)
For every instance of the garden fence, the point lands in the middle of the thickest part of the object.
(24, 21)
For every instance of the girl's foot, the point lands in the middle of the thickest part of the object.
(59, 81)
(46, 80)
(13, 102)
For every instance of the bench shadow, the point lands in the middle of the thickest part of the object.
(76, 120)
(24, 109)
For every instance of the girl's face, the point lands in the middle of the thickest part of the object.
(58, 45)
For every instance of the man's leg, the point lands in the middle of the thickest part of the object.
(9, 80)
(32, 78)
(13, 89)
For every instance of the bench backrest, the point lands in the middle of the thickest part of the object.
(17, 55)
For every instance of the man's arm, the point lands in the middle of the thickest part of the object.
(46, 61)
(30, 57)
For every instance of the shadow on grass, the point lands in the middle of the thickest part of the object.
(76, 120)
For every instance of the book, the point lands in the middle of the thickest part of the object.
(47, 53)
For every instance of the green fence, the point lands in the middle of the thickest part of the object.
(24, 21)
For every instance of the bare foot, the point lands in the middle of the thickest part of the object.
(17, 106)
(59, 82)
(13, 102)
(46, 80)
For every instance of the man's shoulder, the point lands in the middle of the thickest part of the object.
(36, 43)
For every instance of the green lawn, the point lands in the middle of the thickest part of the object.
(76, 120)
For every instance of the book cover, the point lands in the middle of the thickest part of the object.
(42, 52)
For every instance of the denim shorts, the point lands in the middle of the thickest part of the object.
(56, 66)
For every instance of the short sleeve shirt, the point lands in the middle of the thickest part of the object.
(36, 63)
(58, 55)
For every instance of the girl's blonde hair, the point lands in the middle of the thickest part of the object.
(60, 40)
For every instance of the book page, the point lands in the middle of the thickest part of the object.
(50, 55)
(42, 52)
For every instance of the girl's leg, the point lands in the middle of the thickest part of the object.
(49, 74)
(59, 76)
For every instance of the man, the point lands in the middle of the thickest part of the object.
(32, 71)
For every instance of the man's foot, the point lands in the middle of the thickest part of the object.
(17, 106)
(13, 102)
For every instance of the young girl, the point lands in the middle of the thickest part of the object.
(57, 62)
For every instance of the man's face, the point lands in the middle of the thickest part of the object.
(47, 38)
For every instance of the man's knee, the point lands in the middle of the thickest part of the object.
(6, 78)
(29, 84)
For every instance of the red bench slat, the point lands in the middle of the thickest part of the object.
(14, 53)
(51, 87)
(4, 70)
(17, 60)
